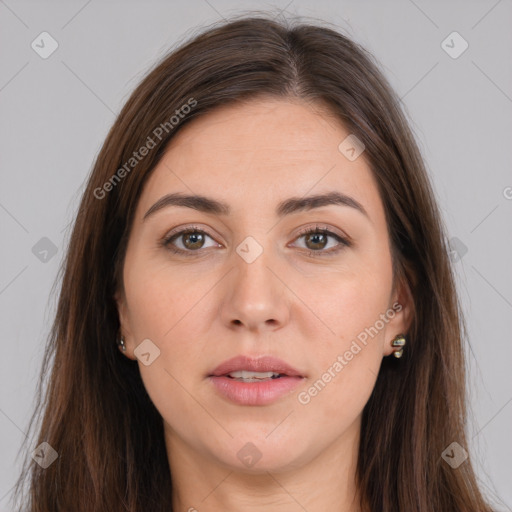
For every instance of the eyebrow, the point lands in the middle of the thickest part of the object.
(287, 207)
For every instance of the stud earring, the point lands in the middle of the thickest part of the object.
(121, 343)
(398, 341)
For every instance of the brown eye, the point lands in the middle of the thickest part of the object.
(188, 241)
(193, 240)
(317, 239)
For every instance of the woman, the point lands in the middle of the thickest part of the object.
(257, 309)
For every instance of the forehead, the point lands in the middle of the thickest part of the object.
(274, 130)
(258, 152)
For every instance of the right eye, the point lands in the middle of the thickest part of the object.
(191, 239)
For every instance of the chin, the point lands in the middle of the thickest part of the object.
(259, 453)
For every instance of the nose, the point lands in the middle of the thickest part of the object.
(254, 296)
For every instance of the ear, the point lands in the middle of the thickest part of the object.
(402, 304)
(124, 321)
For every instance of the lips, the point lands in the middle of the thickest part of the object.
(248, 381)
(262, 365)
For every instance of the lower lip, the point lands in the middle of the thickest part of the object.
(255, 393)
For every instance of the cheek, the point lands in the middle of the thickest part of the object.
(163, 300)
(163, 306)
(347, 360)
(169, 307)
(347, 303)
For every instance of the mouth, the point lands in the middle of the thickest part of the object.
(248, 381)
(247, 376)
(245, 367)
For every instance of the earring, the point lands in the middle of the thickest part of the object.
(398, 341)
(121, 343)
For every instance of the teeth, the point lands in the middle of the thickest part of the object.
(247, 376)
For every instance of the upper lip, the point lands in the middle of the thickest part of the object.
(259, 364)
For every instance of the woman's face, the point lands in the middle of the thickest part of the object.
(247, 282)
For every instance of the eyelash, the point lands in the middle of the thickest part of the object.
(166, 241)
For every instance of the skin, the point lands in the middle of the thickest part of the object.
(203, 309)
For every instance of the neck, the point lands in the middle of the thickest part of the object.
(204, 484)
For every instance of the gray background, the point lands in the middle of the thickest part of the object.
(56, 113)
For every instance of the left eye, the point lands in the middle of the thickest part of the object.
(317, 240)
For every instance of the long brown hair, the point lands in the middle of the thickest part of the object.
(96, 413)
